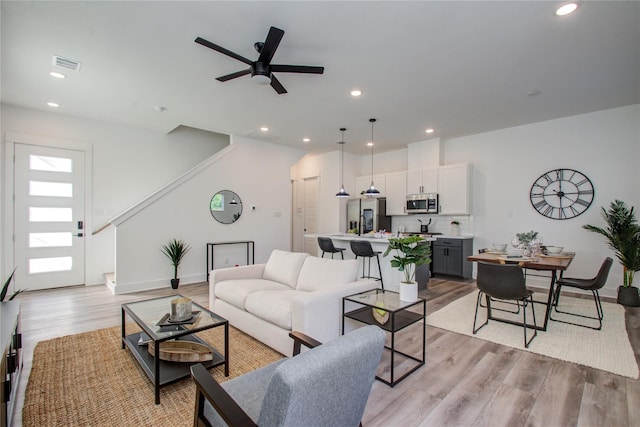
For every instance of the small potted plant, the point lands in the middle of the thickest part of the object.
(5, 288)
(411, 252)
(623, 236)
(175, 251)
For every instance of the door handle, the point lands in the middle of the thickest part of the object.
(79, 235)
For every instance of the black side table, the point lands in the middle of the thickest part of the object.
(400, 317)
(250, 244)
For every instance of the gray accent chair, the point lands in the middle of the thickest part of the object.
(326, 386)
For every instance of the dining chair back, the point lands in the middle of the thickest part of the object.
(504, 282)
(593, 285)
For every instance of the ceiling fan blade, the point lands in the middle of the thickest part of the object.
(275, 83)
(234, 75)
(270, 45)
(222, 50)
(297, 69)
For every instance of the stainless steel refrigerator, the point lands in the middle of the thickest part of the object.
(367, 215)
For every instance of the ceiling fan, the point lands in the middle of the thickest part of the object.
(262, 70)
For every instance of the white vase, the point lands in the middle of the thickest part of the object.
(455, 230)
(408, 292)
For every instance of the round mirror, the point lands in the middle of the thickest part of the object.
(226, 207)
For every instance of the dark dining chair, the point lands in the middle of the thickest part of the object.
(326, 246)
(593, 285)
(504, 282)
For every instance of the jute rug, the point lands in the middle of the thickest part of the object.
(88, 380)
(608, 349)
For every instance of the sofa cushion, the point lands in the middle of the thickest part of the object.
(235, 291)
(284, 267)
(272, 306)
(321, 273)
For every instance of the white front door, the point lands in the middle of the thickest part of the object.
(311, 196)
(48, 217)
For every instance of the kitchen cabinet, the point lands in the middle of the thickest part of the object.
(454, 182)
(396, 193)
(11, 361)
(364, 182)
(422, 181)
(449, 257)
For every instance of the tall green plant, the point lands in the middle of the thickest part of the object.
(411, 252)
(623, 237)
(175, 251)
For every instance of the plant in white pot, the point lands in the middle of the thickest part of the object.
(411, 252)
(175, 251)
(623, 236)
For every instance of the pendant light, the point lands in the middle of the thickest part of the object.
(342, 193)
(372, 191)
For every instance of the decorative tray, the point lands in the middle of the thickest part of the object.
(560, 255)
(182, 351)
(166, 321)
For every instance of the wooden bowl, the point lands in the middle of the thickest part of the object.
(182, 351)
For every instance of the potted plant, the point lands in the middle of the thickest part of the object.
(623, 236)
(5, 288)
(175, 251)
(411, 252)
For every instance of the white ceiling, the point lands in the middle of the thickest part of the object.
(460, 67)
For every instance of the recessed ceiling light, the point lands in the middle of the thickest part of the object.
(264, 129)
(369, 144)
(566, 9)
(430, 130)
(305, 140)
(53, 104)
(57, 75)
(356, 92)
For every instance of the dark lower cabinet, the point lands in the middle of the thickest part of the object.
(11, 363)
(450, 257)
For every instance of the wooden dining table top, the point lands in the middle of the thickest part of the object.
(541, 262)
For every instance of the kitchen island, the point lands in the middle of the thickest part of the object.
(379, 242)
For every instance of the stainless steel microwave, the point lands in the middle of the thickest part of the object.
(422, 203)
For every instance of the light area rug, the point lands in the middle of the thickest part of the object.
(88, 380)
(608, 349)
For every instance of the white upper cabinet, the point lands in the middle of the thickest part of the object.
(422, 181)
(364, 182)
(396, 193)
(454, 189)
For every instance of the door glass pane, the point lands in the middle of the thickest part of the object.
(50, 214)
(44, 265)
(52, 189)
(49, 240)
(50, 164)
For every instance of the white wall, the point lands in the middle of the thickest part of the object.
(258, 172)
(128, 164)
(604, 145)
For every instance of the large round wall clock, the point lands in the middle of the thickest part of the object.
(561, 194)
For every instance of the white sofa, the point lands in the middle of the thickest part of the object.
(292, 291)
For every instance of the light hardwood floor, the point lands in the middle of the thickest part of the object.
(465, 381)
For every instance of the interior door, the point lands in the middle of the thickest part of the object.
(311, 194)
(48, 217)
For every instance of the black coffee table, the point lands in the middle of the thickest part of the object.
(147, 315)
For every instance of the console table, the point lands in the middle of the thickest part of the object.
(250, 244)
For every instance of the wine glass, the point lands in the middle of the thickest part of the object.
(515, 242)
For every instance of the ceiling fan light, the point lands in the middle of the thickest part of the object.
(260, 79)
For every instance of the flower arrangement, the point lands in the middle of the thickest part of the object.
(455, 222)
(528, 237)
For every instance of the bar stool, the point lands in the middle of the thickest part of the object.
(326, 245)
(363, 249)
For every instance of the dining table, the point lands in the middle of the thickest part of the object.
(555, 264)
